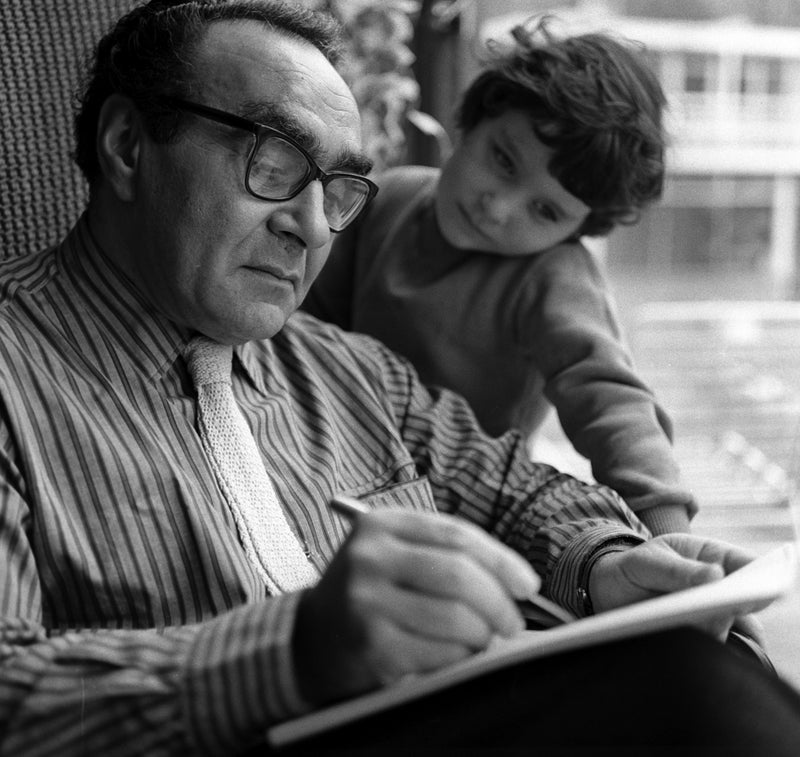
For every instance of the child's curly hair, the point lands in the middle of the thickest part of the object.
(595, 102)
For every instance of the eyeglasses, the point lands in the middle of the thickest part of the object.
(278, 168)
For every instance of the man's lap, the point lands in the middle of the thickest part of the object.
(674, 691)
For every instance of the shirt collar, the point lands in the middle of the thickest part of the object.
(253, 356)
(150, 340)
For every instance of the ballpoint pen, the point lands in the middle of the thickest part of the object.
(538, 611)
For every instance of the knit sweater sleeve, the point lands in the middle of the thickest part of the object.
(567, 322)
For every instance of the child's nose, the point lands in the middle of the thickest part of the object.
(499, 207)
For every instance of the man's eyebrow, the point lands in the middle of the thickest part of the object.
(272, 114)
(352, 162)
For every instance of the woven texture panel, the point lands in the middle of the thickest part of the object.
(44, 46)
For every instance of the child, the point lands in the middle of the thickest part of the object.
(475, 272)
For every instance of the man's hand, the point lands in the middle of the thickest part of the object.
(407, 592)
(665, 564)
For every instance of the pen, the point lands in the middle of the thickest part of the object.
(350, 507)
(538, 611)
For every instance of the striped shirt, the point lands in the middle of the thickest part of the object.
(132, 620)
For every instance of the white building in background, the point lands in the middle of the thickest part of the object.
(730, 211)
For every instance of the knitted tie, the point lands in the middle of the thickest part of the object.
(268, 541)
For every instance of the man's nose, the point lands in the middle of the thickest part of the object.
(303, 217)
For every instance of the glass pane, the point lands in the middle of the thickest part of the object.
(278, 169)
(344, 196)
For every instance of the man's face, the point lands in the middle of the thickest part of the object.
(497, 195)
(211, 257)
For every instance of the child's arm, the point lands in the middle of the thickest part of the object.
(609, 414)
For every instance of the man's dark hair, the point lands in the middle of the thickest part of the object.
(149, 54)
(595, 102)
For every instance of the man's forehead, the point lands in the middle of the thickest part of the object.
(281, 81)
(248, 59)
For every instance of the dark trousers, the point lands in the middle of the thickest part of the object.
(673, 693)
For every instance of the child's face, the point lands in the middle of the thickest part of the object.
(496, 194)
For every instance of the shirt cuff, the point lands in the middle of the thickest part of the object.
(565, 582)
(240, 676)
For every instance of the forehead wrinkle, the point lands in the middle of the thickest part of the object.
(278, 117)
(275, 115)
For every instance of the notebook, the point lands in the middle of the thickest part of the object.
(746, 590)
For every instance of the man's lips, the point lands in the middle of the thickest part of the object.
(290, 277)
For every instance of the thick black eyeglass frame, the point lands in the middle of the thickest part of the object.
(262, 130)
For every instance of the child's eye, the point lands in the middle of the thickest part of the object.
(502, 159)
(544, 211)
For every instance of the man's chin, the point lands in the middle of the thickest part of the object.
(251, 329)
(260, 332)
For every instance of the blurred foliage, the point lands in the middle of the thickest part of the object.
(378, 70)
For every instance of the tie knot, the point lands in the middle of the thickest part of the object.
(209, 362)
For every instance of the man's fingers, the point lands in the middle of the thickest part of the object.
(667, 563)
(440, 556)
(658, 569)
(434, 618)
(699, 573)
(509, 568)
(383, 564)
(394, 653)
(728, 556)
(456, 577)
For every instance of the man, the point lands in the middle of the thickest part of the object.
(145, 608)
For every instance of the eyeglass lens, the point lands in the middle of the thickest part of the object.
(344, 198)
(278, 169)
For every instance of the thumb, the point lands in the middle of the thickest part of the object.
(705, 573)
(667, 570)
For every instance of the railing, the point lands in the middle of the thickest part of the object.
(729, 119)
(727, 373)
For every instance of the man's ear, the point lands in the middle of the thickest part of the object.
(119, 134)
